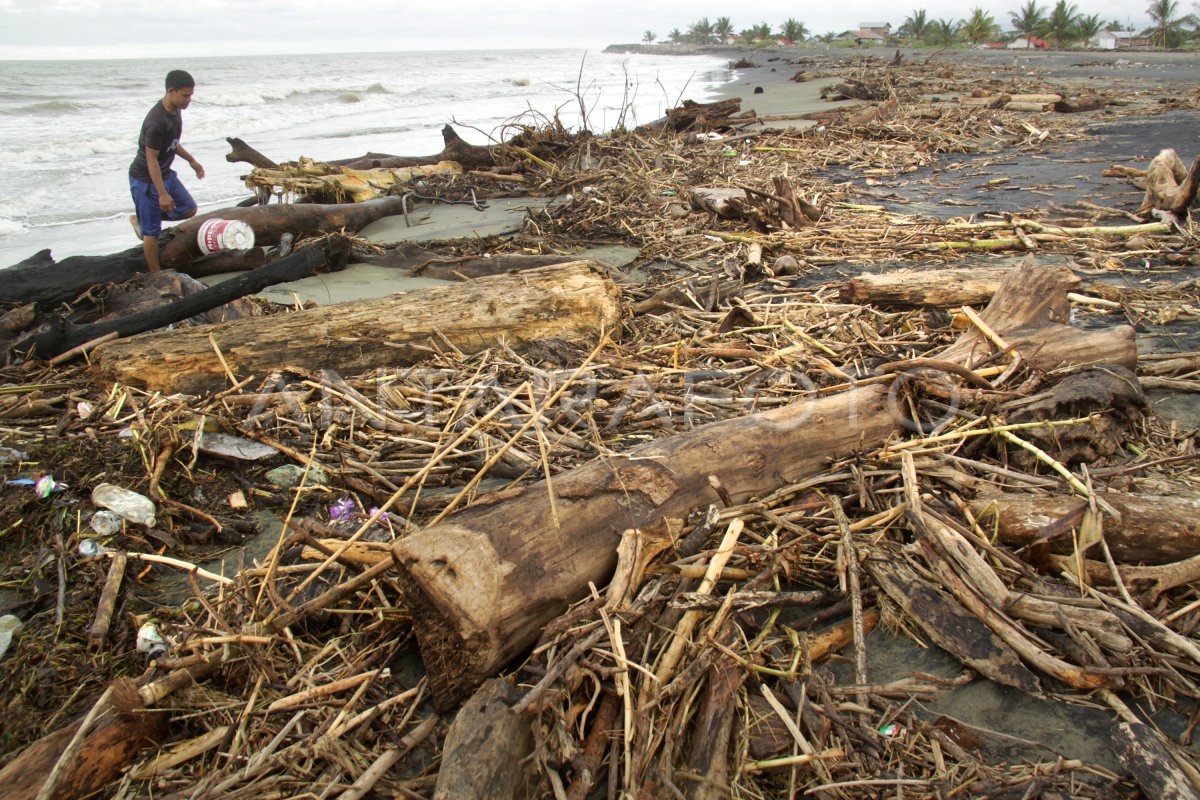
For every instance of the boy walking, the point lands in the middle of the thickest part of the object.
(157, 191)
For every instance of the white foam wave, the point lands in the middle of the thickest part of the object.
(8, 227)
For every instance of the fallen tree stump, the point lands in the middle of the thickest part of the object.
(573, 301)
(482, 584)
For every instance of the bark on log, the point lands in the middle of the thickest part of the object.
(942, 288)
(950, 626)
(573, 301)
(120, 733)
(709, 757)
(486, 747)
(271, 222)
(1146, 756)
(1153, 529)
(1072, 105)
(482, 584)
(328, 256)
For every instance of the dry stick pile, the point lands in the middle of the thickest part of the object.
(698, 672)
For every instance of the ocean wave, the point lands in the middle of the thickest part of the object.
(8, 227)
(45, 108)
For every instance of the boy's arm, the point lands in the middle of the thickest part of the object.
(186, 156)
(165, 201)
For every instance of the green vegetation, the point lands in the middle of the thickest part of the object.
(1062, 25)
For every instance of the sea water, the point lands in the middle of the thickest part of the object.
(68, 129)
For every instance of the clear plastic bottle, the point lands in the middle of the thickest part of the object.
(132, 506)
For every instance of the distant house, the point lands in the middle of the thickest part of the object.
(1028, 43)
(1116, 40)
(884, 29)
(862, 37)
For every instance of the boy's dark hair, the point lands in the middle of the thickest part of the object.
(178, 79)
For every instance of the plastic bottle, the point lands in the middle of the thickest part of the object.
(130, 505)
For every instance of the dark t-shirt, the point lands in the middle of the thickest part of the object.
(160, 130)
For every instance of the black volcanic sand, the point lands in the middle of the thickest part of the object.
(1061, 174)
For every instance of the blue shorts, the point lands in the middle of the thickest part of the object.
(145, 201)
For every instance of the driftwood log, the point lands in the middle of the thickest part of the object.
(482, 584)
(273, 221)
(696, 116)
(1153, 529)
(470, 156)
(240, 152)
(573, 301)
(486, 747)
(40, 279)
(419, 262)
(327, 256)
(942, 288)
(1087, 102)
(1148, 758)
(1170, 186)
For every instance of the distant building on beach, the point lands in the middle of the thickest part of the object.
(884, 29)
(862, 37)
(1028, 43)
(1119, 40)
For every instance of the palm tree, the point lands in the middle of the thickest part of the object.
(1062, 24)
(701, 31)
(793, 30)
(979, 27)
(1089, 26)
(915, 26)
(1030, 20)
(942, 32)
(1168, 30)
(676, 36)
(723, 28)
(649, 36)
(757, 32)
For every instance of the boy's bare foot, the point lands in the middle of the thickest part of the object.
(136, 228)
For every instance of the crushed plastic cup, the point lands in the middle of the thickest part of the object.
(105, 523)
(150, 641)
(90, 548)
(9, 625)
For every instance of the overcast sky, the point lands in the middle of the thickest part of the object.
(154, 28)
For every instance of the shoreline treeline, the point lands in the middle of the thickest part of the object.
(1060, 25)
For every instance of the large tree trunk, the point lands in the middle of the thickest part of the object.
(482, 584)
(271, 222)
(324, 257)
(572, 301)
